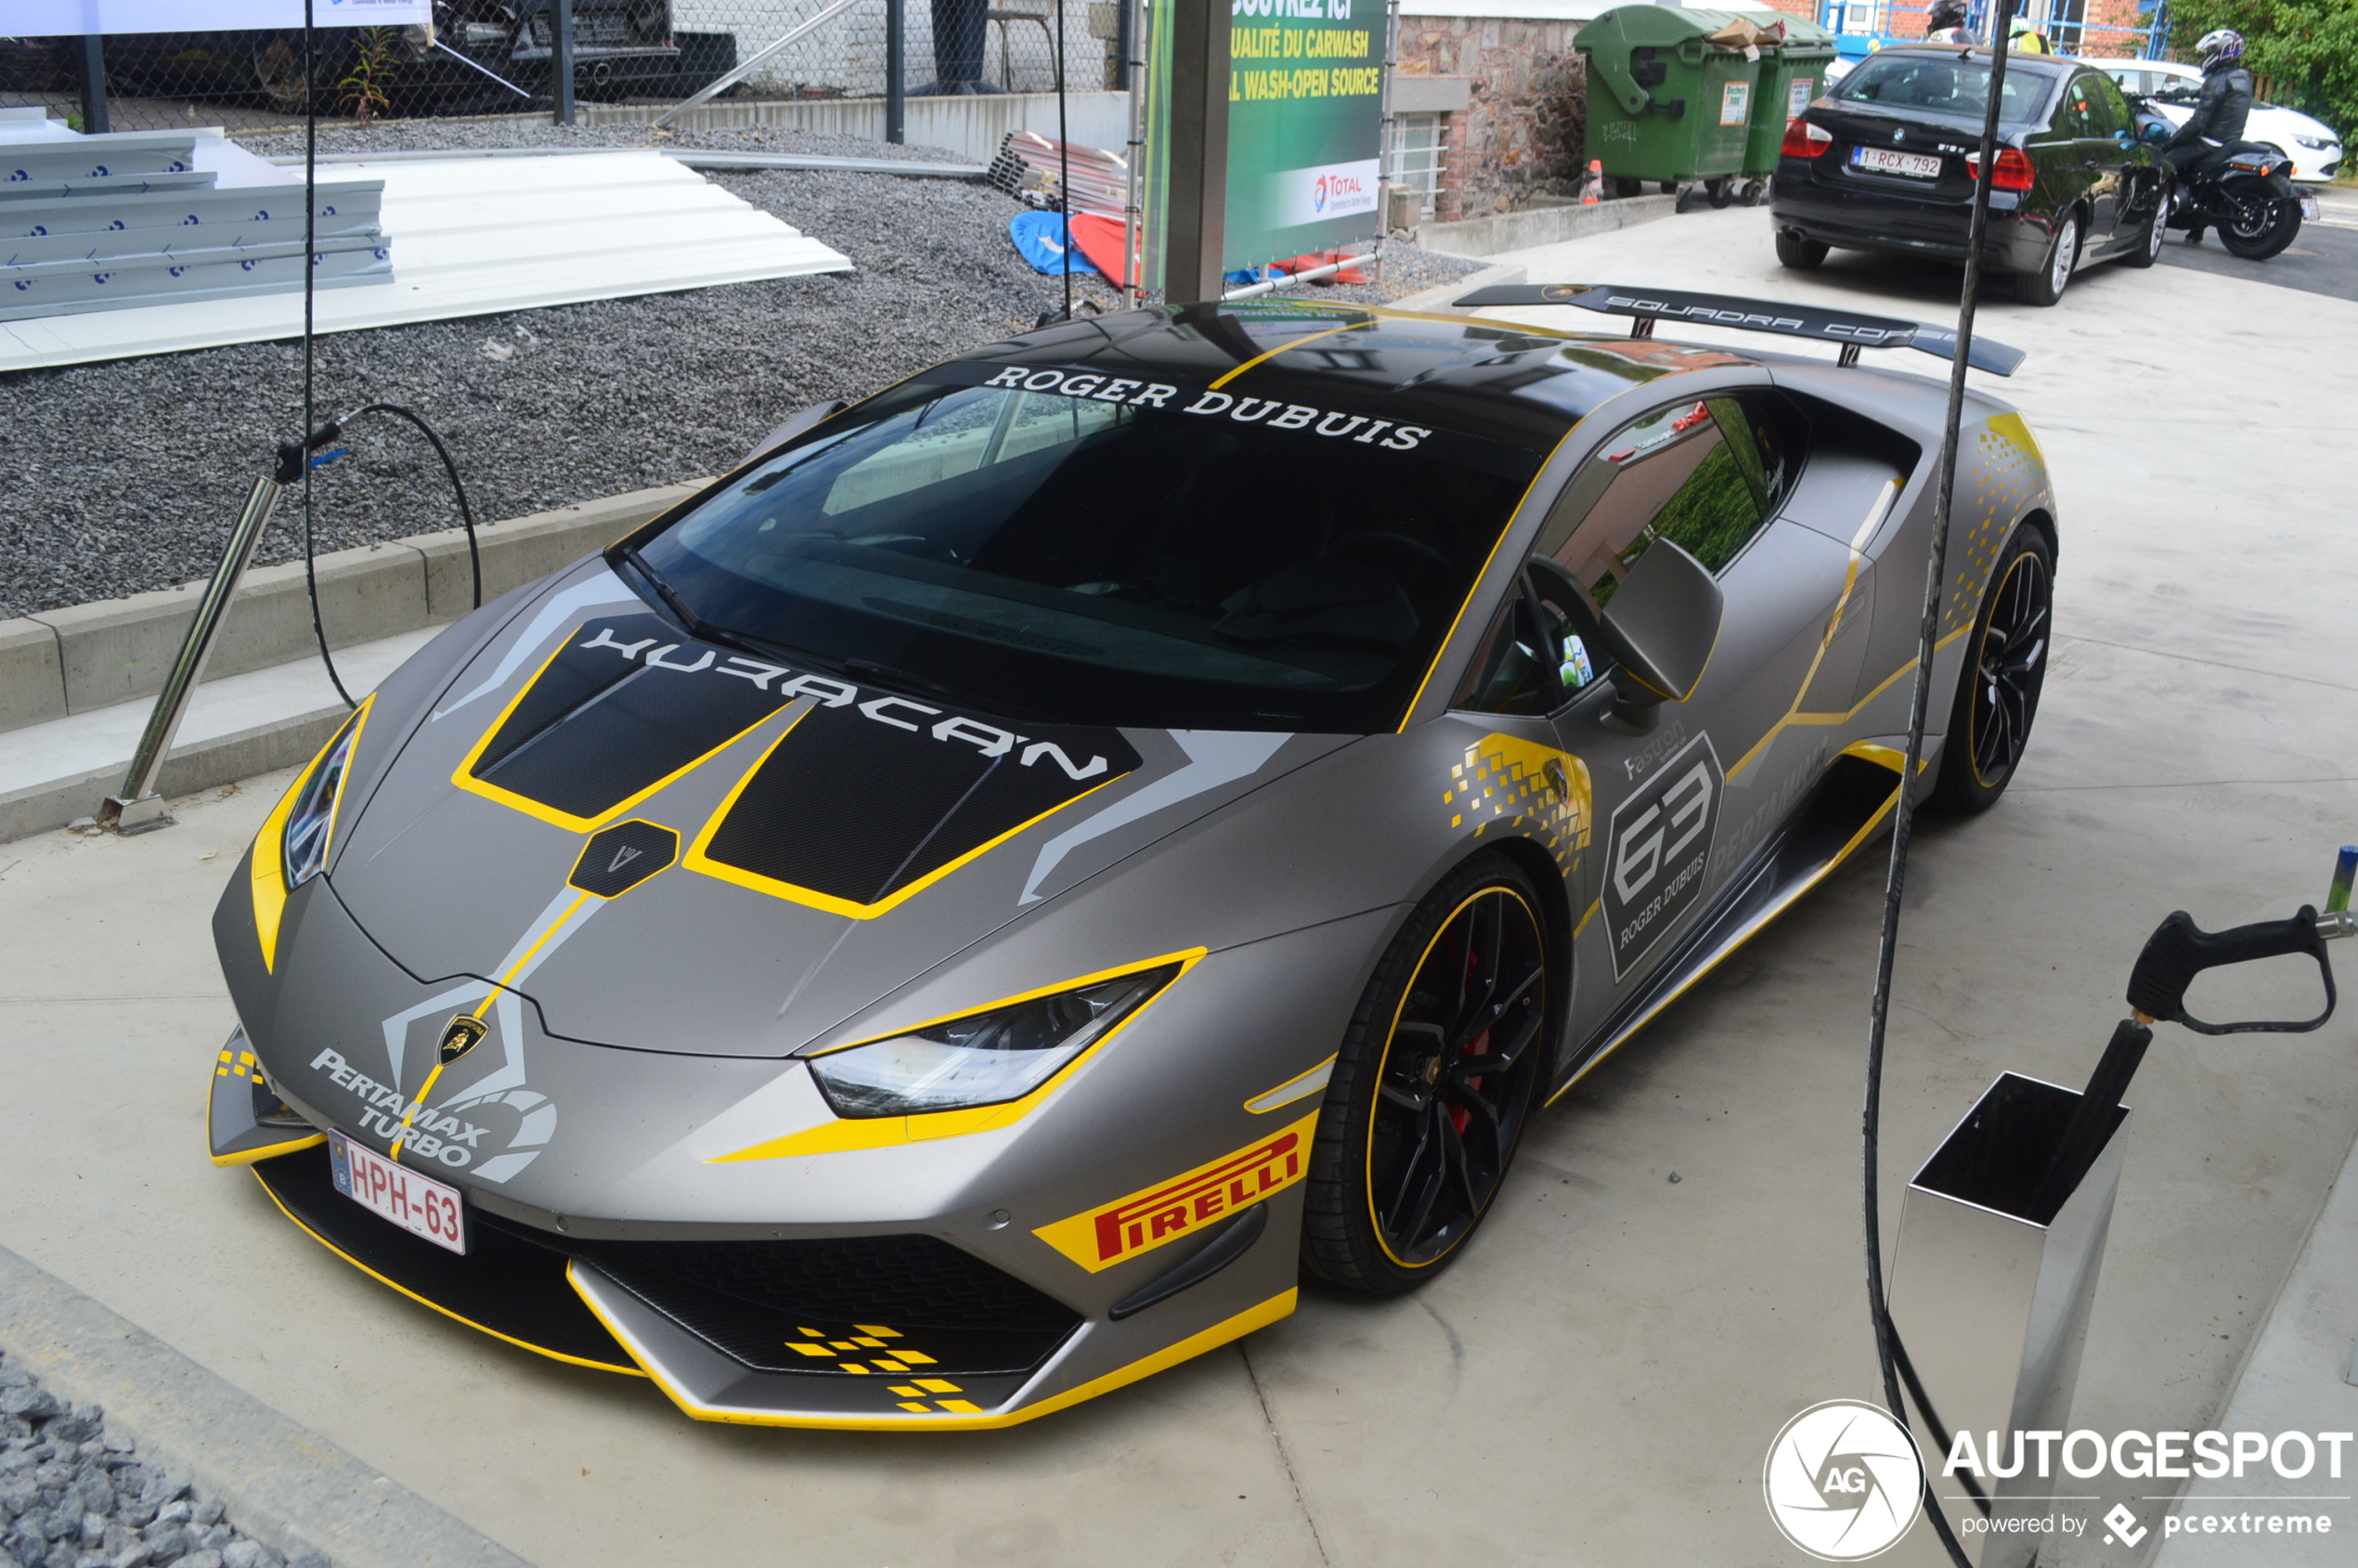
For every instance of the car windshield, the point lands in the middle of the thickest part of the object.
(1942, 83)
(1176, 558)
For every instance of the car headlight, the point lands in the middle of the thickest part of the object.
(986, 1059)
(2316, 144)
(311, 822)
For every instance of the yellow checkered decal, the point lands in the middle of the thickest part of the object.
(920, 1395)
(238, 1064)
(1506, 782)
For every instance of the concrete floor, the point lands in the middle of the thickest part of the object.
(1599, 1380)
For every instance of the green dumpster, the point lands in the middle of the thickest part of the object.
(1665, 102)
(1791, 73)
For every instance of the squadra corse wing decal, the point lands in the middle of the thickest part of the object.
(1098, 1238)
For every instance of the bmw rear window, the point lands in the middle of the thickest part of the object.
(1946, 85)
(1080, 547)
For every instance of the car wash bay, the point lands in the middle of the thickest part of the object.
(1598, 1379)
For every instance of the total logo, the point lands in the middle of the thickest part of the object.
(1318, 194)
(1842, 1480)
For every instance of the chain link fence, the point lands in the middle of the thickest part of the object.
(495, 56)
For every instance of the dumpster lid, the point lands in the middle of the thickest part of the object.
(1654, 26)
(1848, 329)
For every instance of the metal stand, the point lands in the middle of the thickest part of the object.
(1991, 1295)
(139, 808)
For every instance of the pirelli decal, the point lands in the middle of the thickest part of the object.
(1101, 1238)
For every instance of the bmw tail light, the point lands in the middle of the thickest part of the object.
(1804, 139)
(2014, 171)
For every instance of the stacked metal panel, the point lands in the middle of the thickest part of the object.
(137, 218)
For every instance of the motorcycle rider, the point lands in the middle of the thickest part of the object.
(1947, 23)
(2200, 147)
(2023, 38)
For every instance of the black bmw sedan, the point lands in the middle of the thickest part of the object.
(1885, 162)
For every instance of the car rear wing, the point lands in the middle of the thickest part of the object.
(1849, 330)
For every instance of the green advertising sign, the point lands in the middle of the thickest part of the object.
(1305, 126)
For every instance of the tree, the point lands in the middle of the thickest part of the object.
(2308, 49)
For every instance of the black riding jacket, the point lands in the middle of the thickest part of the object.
(2220, 112)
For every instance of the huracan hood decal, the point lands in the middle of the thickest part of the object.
(806, 808)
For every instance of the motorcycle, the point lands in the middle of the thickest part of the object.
(2250, 200)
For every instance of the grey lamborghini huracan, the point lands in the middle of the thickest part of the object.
(962, 912)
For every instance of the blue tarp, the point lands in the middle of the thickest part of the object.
(1041, 240)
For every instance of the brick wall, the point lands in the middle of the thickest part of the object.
(1520, 135)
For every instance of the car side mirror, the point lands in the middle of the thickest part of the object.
(1660, 626)
(792, 428)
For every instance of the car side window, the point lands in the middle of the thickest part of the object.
(1542, 648)
(2076, 115)
(1704, 475)
(2111, 105)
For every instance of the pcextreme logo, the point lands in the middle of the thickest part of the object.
(1098, 1238)
(1842, 1480)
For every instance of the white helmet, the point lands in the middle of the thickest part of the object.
(2220, 44)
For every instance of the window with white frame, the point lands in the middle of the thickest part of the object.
(1419, 144)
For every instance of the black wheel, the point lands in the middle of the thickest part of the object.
(1432, 1086)
(1624, 188)
(2148, 247)
(1669, 188)
(2257, 230)
(1687, 198)
(1799, 251)
(2007, 663)
(1720, 191)
(1753, 192)
(2046, 285)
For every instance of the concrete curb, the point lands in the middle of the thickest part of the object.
(285, 1485)
(199, 765)
(59, 663)
(1440, 298)
(1541, 225)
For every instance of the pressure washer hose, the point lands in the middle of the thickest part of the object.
(1903, 813)
(315, 437)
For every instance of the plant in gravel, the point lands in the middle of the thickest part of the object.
(374, 65)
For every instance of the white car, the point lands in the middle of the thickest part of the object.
(2314, 146)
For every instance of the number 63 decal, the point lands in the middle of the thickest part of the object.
(1661, 843)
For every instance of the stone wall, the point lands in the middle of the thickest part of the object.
(1521, 134)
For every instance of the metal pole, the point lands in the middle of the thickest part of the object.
(896, 70)
(93, 84)
(139, 808)
(727, 80)
(1134, 175)
(561, 58)
(1388, 145)
(1196, 224)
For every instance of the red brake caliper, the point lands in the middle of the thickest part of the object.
(1459, 1115)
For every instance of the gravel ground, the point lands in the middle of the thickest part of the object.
(74, 1495)
(120, 477)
